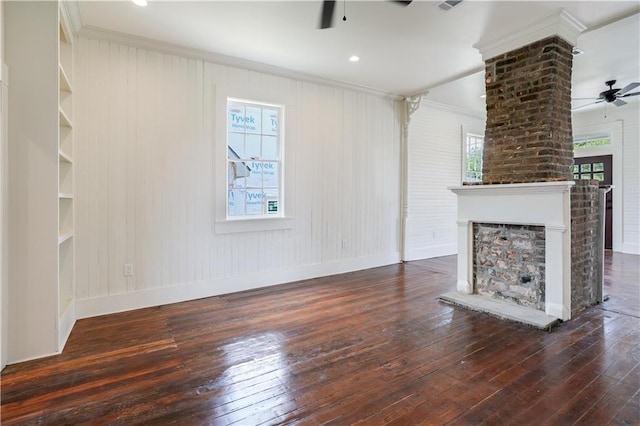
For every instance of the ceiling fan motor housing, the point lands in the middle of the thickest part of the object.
(609, 95)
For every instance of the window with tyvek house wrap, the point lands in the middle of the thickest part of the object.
(254, 159)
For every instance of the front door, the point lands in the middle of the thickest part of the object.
(598, 168)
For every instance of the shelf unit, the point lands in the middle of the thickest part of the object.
(66, 253)
(42, 242)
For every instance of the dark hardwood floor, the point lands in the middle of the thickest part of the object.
(370, 347)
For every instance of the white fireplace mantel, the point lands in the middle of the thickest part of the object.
(545, 204)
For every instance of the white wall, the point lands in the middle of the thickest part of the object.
(623, 124)
(4, 198)
(434, 149)
(145, 180)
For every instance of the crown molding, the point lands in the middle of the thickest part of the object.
(450, 79)
(174, 49)
(453, 108)
(561, 24)
(72, 11)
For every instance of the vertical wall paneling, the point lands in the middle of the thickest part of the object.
(434, 163)
(146, 166)
(4, 200)
(128, 62)
(81, 183)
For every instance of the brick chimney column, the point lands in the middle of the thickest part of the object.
(528, 132)
(528, 85)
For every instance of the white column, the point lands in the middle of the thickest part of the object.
(558, 271)
(602, 215)
(465, 257)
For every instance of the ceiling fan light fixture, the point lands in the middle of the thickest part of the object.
(577, 51)
(354, 58)
(140, 3)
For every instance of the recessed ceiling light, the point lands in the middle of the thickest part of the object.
(354, 58)
(483, 96)
(140, 2)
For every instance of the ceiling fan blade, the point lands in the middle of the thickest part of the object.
(327, 14)
(619, 102)
(586, 105)
(628, 88)
(630, 94)
(403, 2)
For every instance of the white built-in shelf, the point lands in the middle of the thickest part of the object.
(66, 225)
(64, 157)
(64, 120)
(65, 85)
(65, 237)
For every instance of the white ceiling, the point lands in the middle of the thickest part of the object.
(403, 50)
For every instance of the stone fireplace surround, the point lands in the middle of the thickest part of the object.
(509, 263)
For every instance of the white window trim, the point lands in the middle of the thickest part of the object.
(465, 136)
(594, 151)
(223, 224)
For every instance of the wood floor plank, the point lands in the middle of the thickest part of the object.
(370, 347)
(540, 399)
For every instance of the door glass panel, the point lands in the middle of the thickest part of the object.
(598, 176)
(576, 176)
(576, 168)
(585, 168)
(598, 167)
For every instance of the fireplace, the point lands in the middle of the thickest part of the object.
(527, 186)
(545, 204)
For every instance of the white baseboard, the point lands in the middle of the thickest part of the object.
(65, 325)
(631, 248)
(12, 361)
(85, 308)
(429, 252)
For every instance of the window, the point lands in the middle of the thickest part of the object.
(254, 159)
(473, 158)
(590, 141)
(590, 171)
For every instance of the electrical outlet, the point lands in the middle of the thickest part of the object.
(128, 269)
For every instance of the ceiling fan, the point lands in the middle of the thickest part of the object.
(612, 95)
(326, 19)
